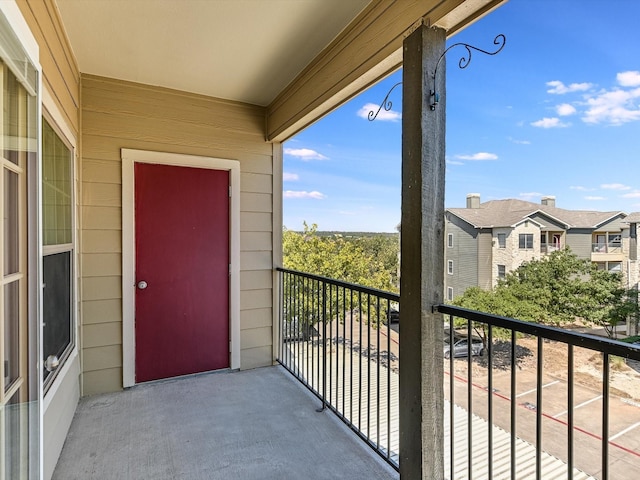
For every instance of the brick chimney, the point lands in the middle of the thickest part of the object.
(549, 201)
(473, 200)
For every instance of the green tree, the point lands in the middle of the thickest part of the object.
(334, 257)
(556, 290)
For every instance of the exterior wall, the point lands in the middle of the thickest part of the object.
(486, 264)
(502, 256)
(579, 241)
(463, 253)
(117, 114)
(519, 256)
(61, 93)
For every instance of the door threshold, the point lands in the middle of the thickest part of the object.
(183, 377)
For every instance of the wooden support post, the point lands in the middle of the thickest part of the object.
(422, 258)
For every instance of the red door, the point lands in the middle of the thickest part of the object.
(182, 260)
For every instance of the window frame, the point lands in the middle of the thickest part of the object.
(450, 240)
(450, 267)
(53, 118)
(449, 293)
(502, 240)
(523, 240)
(504, 271)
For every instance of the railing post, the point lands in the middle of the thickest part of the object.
(324, 347)
(422, 250)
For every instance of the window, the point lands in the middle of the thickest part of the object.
(502, 270)
(449, 293)
(615, 240)
(57, 262)
(525, 240)
(450, 240)
(502, 240)
(450, 267)
(614, 267)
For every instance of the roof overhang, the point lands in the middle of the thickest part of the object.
(298, 59)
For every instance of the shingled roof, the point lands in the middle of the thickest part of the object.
(510, 212)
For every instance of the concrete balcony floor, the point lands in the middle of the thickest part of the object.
(256, 424)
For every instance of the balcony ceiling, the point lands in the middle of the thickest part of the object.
(244, 50)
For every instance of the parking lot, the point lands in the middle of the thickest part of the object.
(624, 418)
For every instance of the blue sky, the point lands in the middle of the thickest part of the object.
(557, 112)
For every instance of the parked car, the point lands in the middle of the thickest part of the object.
(461, 347)
(394, 316)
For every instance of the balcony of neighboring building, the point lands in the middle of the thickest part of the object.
(607, 247)
(551, 242)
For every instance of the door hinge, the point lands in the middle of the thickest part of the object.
(229, 269)
(229, 191)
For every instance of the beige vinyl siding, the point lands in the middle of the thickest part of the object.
(60, 72)
(118, 114)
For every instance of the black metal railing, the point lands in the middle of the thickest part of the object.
(337, 339)
(522, 400)
(537, 409)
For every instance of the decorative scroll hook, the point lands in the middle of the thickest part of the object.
(386, 104)
(500, 40)
(464, 61)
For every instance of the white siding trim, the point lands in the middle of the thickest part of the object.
(129, 157)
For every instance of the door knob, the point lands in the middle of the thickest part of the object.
(142, 285)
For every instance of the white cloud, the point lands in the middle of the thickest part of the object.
(383, 115)
(634, 194)
(290, 177)
(559, 88)
(303, 194)
(530, 195)
(629, 79)
(614, 107)
(553, 122)
(305, 154)
(478, 156)
(565, 109)
(453, 162)
(589, 197)
(580, 188)
(614, 186)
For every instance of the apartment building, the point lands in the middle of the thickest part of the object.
(485, 241)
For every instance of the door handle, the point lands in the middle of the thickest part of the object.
(142, 285)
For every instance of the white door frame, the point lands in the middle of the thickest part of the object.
(129, 158)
